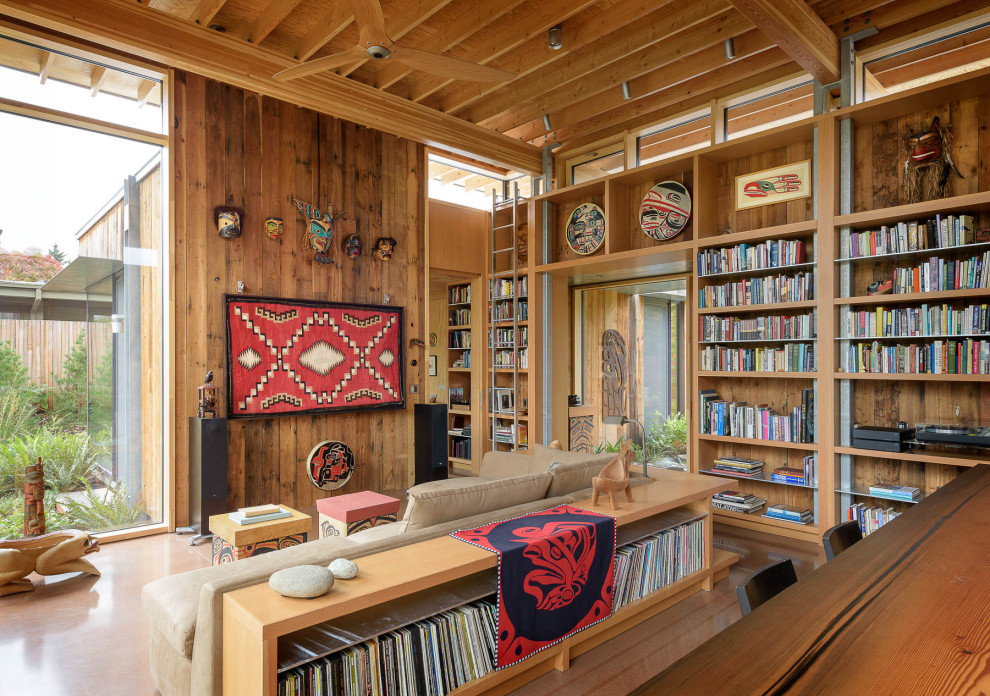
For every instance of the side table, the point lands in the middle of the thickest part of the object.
(232, 541)
(343, 515)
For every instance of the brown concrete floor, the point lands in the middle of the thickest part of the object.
(76, 635)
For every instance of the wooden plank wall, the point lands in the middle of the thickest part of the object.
(239, 148)
(458, 237)
(105, 238)
(438, 327)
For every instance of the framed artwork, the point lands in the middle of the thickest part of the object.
(586, 229)
(291, 357)
(665, 210)
(774, 185)
(433, 366)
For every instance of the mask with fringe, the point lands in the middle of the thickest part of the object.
(929, 165)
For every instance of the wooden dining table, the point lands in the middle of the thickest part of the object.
(905, 611)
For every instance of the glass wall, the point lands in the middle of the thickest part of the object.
(81, 314)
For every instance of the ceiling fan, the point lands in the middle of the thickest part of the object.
(374, 43)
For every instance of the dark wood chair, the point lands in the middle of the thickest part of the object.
(762, 584)
(841, 537)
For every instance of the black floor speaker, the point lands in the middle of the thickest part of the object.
(207, 471)
(431, 442)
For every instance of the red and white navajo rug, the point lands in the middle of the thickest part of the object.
(296, 356)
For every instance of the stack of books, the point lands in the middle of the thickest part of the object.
(870, 518)
(945, 231)
(789, 514)
(259, 513)
(886, 490)
(773, 328)
(756, 291)
(785, 474)
(736, 501)
(738, 419)
(751, 257)
(739, 466)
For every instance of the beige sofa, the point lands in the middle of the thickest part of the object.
(185, 609)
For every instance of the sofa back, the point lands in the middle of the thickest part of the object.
(431, 504)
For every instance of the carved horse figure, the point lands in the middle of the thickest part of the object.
(49, 554)
(614, 478)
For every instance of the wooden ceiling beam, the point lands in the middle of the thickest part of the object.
(321, 33)
(592, 75)
(453, 176)
(98, 79)
(913, 19)
(206, 10)
(46, 61)
(740, 75)
(270, 17)
(530, 19)
(411, 16)
(799, 31)
(535, 56)
(476, 182)
(437, 168)
(144, 91)
(136, 29)
(447, 36)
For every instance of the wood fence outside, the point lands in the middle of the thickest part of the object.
(44, 345)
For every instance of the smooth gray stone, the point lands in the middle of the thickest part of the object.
(343, 568)
(304, 581)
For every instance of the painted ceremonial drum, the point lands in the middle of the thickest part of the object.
(330, 465)
(586, 229)
(665, 210)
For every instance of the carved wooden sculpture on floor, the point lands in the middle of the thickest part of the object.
(34, 500)
(614, 478)
(49, 554)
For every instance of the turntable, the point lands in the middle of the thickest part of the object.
(959, 435)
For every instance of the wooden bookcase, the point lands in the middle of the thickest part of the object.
(395, 586)
(464, 373)
(879, 126)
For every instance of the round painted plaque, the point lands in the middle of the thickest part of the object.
(330, 465)
(665, 211)
(586, 229)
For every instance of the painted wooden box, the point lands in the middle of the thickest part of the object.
(232, 541)
(343, 515)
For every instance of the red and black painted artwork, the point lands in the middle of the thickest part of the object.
(555, 576)
(290, 357)
(330, 465)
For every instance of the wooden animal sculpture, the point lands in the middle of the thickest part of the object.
(320, 233)
(49, 554)
(614, 478)
(34, 500)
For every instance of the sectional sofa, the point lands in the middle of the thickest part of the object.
(185, 610)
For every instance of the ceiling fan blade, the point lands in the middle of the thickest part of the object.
(370, 21)
(322, 64)
(445, 66)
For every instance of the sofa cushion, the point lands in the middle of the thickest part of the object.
(428, 508)
(544, 457)
(568, 478)
(500, 465)
(377, 533)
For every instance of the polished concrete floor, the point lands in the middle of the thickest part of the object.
(77, 635)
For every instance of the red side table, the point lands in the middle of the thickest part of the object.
(343, 515)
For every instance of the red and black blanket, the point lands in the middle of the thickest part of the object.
(555, 574)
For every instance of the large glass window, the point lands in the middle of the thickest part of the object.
(81, 374)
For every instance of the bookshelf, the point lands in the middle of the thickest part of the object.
(463, 375)
(262, 631)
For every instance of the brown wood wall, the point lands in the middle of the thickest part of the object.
(239, 148)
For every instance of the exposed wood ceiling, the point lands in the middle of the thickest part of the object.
(669, 51)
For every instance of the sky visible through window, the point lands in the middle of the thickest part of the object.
(54, 178)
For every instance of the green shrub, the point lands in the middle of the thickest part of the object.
(12, 516)
(102, 513)
(67, 459)
(13, 373)
(71, 387)
(17, 415)
(667, 437)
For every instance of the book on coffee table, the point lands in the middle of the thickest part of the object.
(241, 519)
(259, 510)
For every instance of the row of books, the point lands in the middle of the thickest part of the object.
(645, 566)
(806, 475)
(503, 311)
(870, 518)
(939, 233)
(464, 360)
(502, 288)
(459, 339)
(506, 358)
(459, 294)
(760, 422)
(506, 432)
(964, 357)
(791, 357)
(431, 657)
(459, 317)
(737, 501)
(937, 274)
(789, 513)
(753, 469)
(506, 338)
(887, 490)
(774, 327)
(751, 257)
(755, 291)
(460, 447)
(918, 322)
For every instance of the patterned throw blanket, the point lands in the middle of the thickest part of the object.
(555, 575)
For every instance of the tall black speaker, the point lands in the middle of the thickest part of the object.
(431, 442)
(207, 473)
